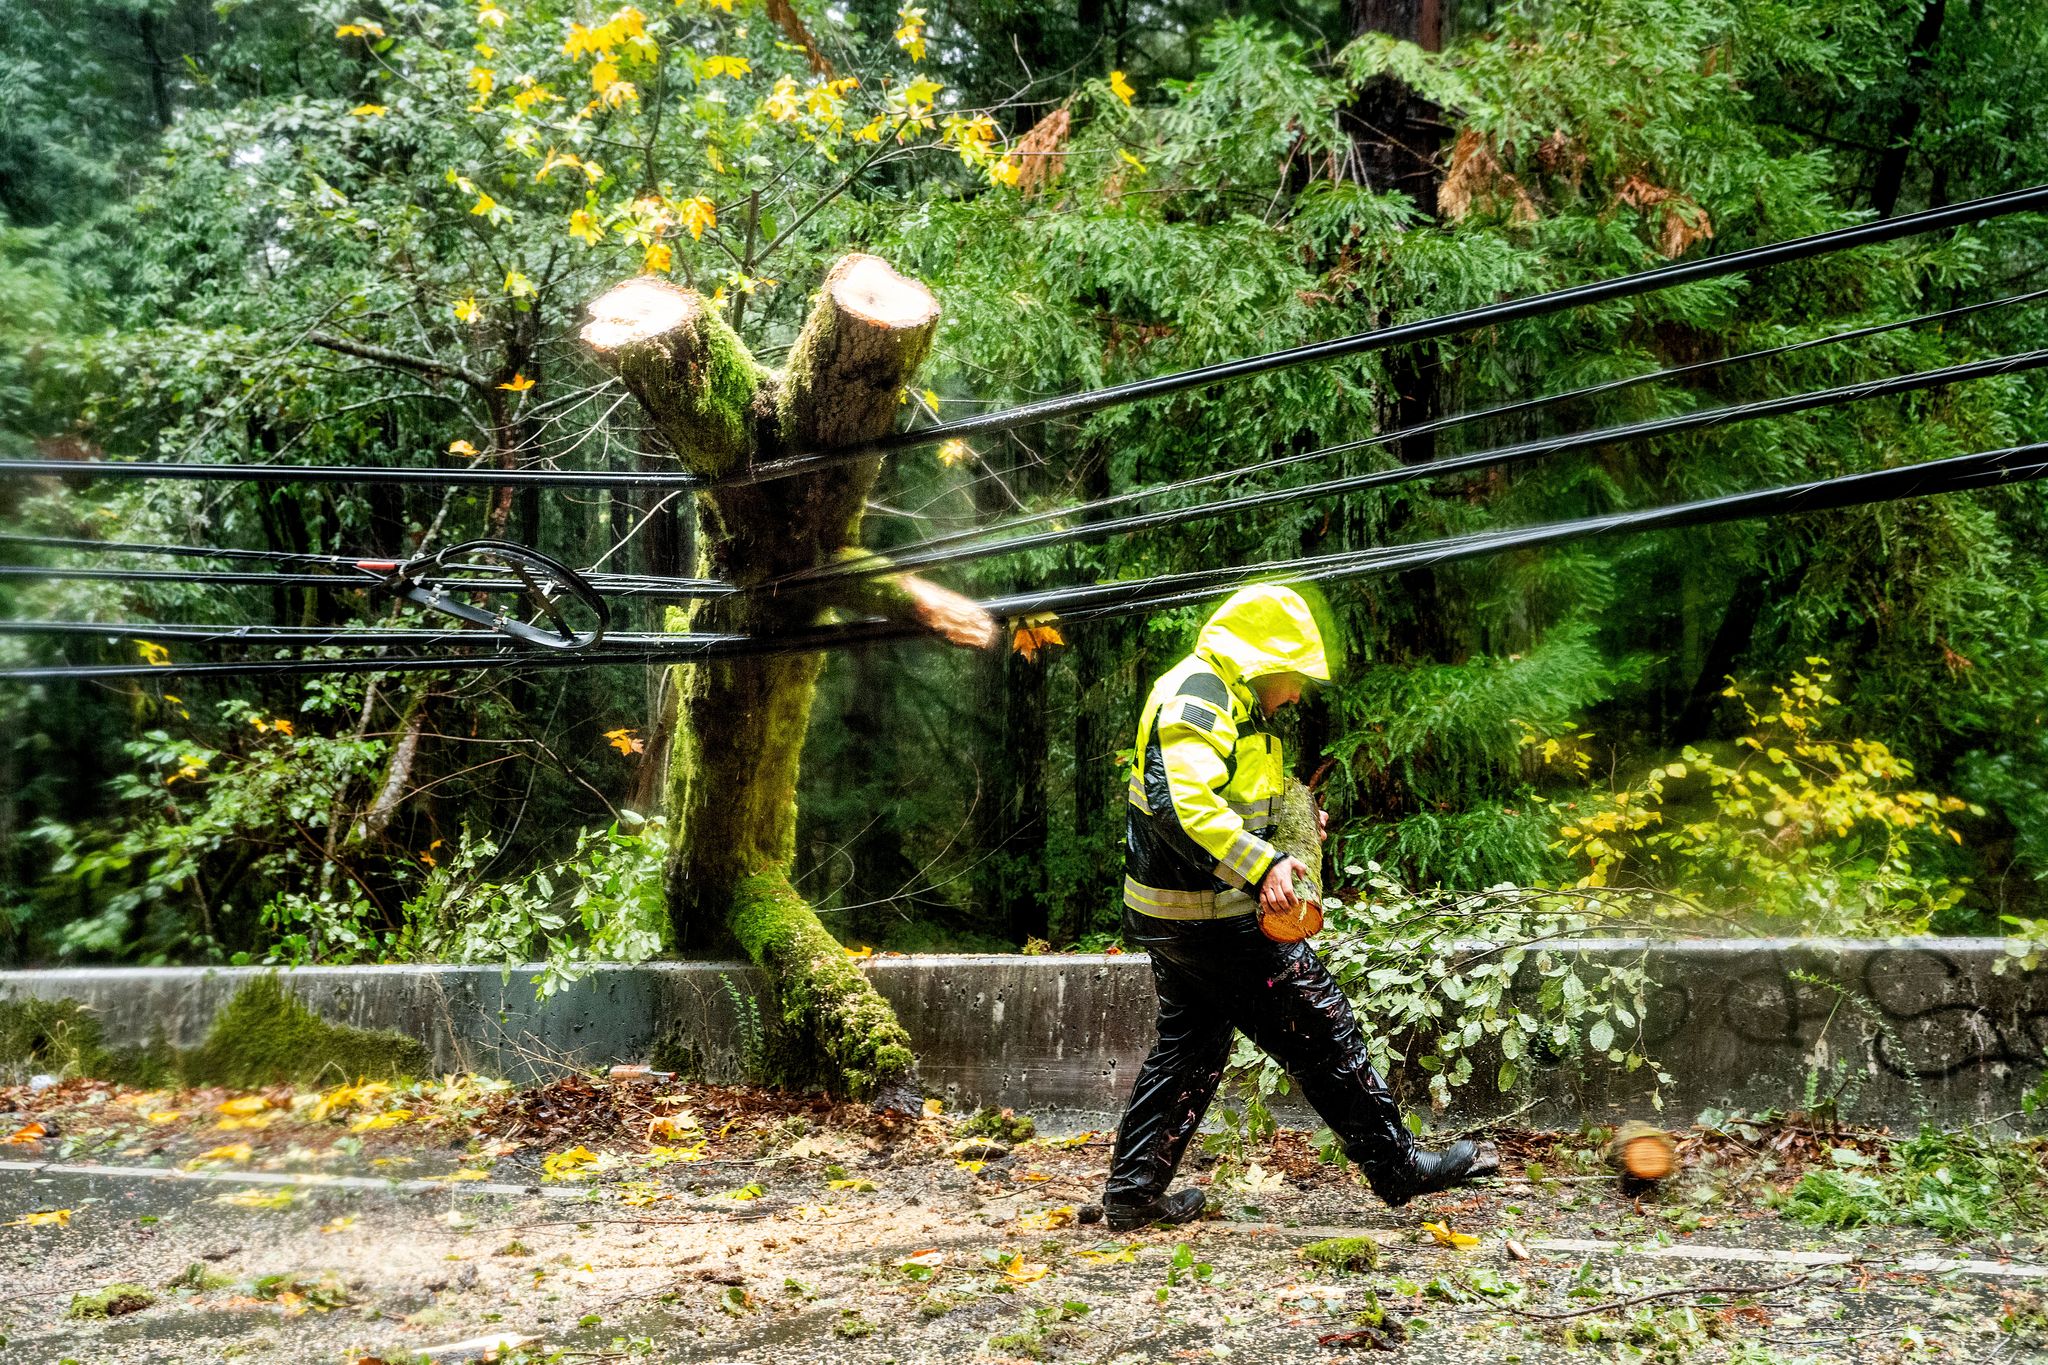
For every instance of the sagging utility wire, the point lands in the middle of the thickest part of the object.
(1983, 469)
(1097, 400)
(644, 586)
(997, 532)
(1496, 456)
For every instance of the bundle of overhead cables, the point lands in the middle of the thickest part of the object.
(503, 605)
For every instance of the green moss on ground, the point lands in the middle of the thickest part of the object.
(1344, 1253)
(116, 1300)
(261, 1037)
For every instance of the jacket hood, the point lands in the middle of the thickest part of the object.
(1264, 629)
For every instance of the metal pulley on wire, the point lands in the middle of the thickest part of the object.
(575, 613)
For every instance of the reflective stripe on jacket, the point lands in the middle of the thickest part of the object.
(1204, 797)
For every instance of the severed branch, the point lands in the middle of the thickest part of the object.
(1732, 1290)
(399, 360)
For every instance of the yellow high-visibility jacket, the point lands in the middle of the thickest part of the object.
(1204, 795)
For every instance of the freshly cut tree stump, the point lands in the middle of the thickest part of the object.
(1642, 1153)
(741, 721)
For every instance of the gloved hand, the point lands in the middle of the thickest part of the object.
(1276, 892)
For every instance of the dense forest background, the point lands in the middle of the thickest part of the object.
(364, 233)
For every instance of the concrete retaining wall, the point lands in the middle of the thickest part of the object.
(1923, 1026)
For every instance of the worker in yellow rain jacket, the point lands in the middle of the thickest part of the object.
(1203, 804)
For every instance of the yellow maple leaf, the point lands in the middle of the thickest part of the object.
(954, 452)
(922, 91)
(934, 1107)
(491, 15)
(725, 5)
(625, 741)
(1035, 633)
(1120, 87)
(1046, 1221)
(517, 285)
(971, 1167)
(458, 1177)
(258, 1199)
(660, 258)
(370, 111)
(1462, 1241)
(468, 310)
(27, 1133)
(698, 213)
(573, 1164)
(255, 1123)
(860, 952)
(1109, 1253)
(243, 1105)
(872, 131)
(745, 1193)
(341, 1224)
(459, 447)
(361, 28)
(721, 65)
(518, 383)
(1026, 1272)
(49, 1218)
(237, 1151)
(672, 1127)
(910, 31)
(483, 80)
(153, 654)
(583, 225)
(160, 1117)
(377, 1123)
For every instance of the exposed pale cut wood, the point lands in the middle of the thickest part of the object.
(638, 310)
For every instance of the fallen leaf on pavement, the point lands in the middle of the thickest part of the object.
(1463, 1241)
(1061, 1217)
(234, 1151)
(58, 1218)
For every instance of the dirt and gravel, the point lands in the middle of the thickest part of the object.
(646, 1220)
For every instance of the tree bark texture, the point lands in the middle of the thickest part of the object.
(740, 723)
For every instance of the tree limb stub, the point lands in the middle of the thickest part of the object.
(687, 368)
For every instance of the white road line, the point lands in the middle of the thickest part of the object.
(1693, 1251)
(1683, 1251)
(306, 1180)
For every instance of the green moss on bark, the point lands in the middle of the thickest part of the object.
(824, 1004)
(1299, 833)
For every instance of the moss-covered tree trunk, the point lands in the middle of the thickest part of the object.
(741, 722)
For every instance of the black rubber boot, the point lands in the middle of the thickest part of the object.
(1434, 1171)
(1181, 1206)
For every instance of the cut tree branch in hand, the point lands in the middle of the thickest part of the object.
(741, 722)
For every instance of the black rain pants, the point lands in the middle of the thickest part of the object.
(1222, 975)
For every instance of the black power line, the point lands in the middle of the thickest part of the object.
(1096, 400)
(1984, 469)
(1456, 464)
(996, 531)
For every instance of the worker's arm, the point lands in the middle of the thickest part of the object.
(1195, 742)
